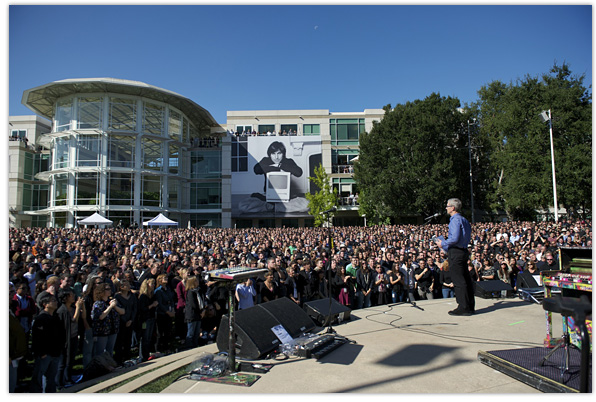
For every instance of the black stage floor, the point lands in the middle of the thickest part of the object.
(526, 365)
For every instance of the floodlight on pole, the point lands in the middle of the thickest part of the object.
(546, 117)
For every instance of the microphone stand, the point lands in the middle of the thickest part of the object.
(330, 329)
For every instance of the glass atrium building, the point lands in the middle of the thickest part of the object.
(129, 151)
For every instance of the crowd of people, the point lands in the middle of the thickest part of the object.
(121, 290)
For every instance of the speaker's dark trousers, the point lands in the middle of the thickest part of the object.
(460, 276)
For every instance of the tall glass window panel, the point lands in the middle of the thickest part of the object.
(39, 197)
(151, 191)
(88, 149)
(174, 159)
(28, 168)
(185, 130)
(120, 189)
(60, 189)
(60, 219)
(60, 150)
(205, 165)
(42, 163)
(63, 115)
(175, 125)
(311, 129)
(153, 119)
(27, 196)
(89, 113)
(152, 154)
(123, 114)
(87, 188)
(121, 151)
(173, 191)
(205, 195)
(239, 154)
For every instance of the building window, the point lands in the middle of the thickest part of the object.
(265, 128)
(174, 159)
(28, 166)
(123, 114)
(60, 219)
(18, 135)
(239, 154)
(205, 164)
(175, 125)
(86, 188)
(34, 163)
(311, 129)
(121, 151)
(151, 191)
(153, 119)
(173, 191)
(120, 189)
(243, 129)
(61, 150)
(185, 130)
(289, 129)
(346, 131)
(121, 218)
(63, 115)
(88, 149)
(152, 158)
(205, 195)
(205, 220)
(60, 189)
(90, 113)
(342, 160)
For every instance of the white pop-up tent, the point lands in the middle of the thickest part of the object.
(95, 219)
(160, 220)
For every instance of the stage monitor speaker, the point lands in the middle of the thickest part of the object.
(290, 316)
(319, 311)
(254, 338)
(492, 289)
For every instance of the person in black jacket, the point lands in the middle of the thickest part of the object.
(48, 340)
(146, 310)
(128, 301)
(195, 304)
(68, 313)
(364, 284)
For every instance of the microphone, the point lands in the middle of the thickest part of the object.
(433, 216)
(332, 209)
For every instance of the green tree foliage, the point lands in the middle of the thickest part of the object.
(414, 159)
(520, 162)
(323, 199)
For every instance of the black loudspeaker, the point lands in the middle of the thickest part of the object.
(254, 338)
(492, 289)
(318, 310)
(290, 316)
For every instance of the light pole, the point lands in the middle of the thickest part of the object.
(547, 117)
(471, 176)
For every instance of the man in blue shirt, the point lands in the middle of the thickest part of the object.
(456, 246)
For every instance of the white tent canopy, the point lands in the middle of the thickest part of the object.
(95, 219)
(160, 220)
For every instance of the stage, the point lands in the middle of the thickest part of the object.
(394, 349)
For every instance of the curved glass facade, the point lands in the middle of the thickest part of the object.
(126, 157)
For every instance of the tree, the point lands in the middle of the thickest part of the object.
(520, 162)
(322, 200)
(414, 159)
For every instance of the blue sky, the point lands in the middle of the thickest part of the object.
(345, 58)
